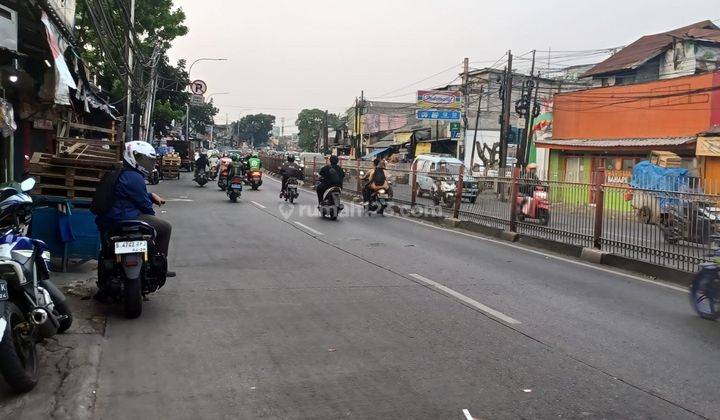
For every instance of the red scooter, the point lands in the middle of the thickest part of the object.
(536, 207)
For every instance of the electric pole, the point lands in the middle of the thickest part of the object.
(325, 133)
(128, 100)
(477, 127)
(505, 117)
(466, 99)
(523, 143)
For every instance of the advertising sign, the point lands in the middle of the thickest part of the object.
(439, 99)
(423, 148)
(438, 115)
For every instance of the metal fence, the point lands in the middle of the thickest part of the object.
(663, 227)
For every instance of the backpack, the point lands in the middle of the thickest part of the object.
(333, 176)
(104, 197)
(378, 177)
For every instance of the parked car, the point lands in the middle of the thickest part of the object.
(437, 177)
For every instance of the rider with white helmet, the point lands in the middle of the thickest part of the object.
(131, 199)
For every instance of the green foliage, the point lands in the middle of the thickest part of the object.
(202, 116)
(310, 124)
(256, 128)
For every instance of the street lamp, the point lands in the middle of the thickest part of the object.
(187, 108)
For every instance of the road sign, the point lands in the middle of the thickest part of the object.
(455, 126)
(454, 134)
(439, 99)
(198, 87)
(197, 100)
(437, 114)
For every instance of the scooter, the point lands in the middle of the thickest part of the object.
(201, 178)
(254, 179)
(129, 266)
(705, 288)
(331, 206)
(291, 190)
(536, 208)
(32, 308)
(234, 189)
(379, 201)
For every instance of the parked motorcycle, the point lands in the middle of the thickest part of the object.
(32, 308)
(130, 266)
(291, 190)
(254, 179)
(331, 206)
(235, 188)
(536, 207)
(201, 177)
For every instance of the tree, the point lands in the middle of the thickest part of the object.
(256, 128)
(310, 123)
(171, 97)
(201, 116)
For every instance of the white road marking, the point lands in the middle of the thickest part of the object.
(467, 414)
(183, 200)
(459, 296)
(306, 227)
(258, 204)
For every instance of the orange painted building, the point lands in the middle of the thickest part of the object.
(616, 127)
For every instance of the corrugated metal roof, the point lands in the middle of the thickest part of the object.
(606, 143)
(649, 46)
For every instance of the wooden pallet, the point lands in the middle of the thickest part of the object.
(63, 191)
(88, 149)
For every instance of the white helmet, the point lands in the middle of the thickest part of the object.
(141, 156)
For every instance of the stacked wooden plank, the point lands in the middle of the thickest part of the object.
(73, 174)
(665, 159)
(88, 149)
(171, 166)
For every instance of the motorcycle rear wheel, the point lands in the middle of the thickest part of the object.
(18, 355)
(704, 296)
(132, 298)
(63, 309)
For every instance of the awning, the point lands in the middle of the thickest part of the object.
(371, 156)
(623, 144)
(381, 144)
(402, 138)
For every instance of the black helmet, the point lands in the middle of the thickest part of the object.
(291, 158)
(334, 160)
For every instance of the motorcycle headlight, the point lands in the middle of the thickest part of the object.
(446, 186)
(46, 255)
(381, 191)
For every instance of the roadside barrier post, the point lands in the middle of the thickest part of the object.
(599, 193)
(357, 175)
(314, 170)
(458, 193)
(513, 199)
(413, 184)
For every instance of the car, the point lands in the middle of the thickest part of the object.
(437, 177)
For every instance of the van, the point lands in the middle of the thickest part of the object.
(437, 177)
(308, 159)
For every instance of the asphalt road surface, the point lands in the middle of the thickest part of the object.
(277, 313)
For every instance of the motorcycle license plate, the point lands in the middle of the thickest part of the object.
(383, 196)
(4, 290)
(130, 247)
(236, 186)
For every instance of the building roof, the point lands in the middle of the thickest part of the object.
(626, 143)
(650, 46)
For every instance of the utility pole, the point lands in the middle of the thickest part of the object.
(505, 118)
(325, 132)
(356, 143)
(128, 100)
(477, 127)
(524, 142)
(466, 93)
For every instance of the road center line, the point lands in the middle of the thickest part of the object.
(462, 298)
(258, 204)
(467, 414)
(306, 227)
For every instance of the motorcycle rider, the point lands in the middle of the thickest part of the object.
(233, 167)
(202, 162)
(131, 199)
(288, 170)
(331, 175)
(254, 163)
(375, 179)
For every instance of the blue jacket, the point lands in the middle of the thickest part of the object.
(131, 200)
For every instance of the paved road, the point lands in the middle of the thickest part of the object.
(276, 313)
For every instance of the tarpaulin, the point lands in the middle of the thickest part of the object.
(661, 181)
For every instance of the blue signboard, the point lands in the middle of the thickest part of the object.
(438, 114)
(454, 134)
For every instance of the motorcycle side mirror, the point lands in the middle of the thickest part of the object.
(27, 185)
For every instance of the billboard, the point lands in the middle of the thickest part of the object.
(439, 99)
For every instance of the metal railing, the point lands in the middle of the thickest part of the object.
(659, 226)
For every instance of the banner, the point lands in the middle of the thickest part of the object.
(439, 99)
(63, 78)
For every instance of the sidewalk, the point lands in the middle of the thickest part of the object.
(68, 362)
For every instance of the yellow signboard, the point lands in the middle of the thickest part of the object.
(423, 148)
(708, 146)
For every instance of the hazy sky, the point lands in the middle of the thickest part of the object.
(285, 55)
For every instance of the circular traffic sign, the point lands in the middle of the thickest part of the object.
(198, 87)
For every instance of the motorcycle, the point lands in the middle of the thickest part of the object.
(154, 177)
(234, 189)
(254, 179)
(331, 206)
(129, 265)
(291, 190)
(201, 177)
(443, 191)
(32, 308)
(378, 202)
(705, 288)
(537, 207)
